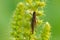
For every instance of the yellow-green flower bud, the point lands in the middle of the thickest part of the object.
(41, 4)
(39, 22)
(40, 13)
(29, 2)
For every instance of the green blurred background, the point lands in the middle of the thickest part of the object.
(52, 15)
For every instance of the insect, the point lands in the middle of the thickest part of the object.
(33, 22)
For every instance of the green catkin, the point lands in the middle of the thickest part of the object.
(45, 35)
(21, 21)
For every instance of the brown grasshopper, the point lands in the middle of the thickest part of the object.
(33, 22)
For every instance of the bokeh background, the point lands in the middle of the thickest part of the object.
(52, 16)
